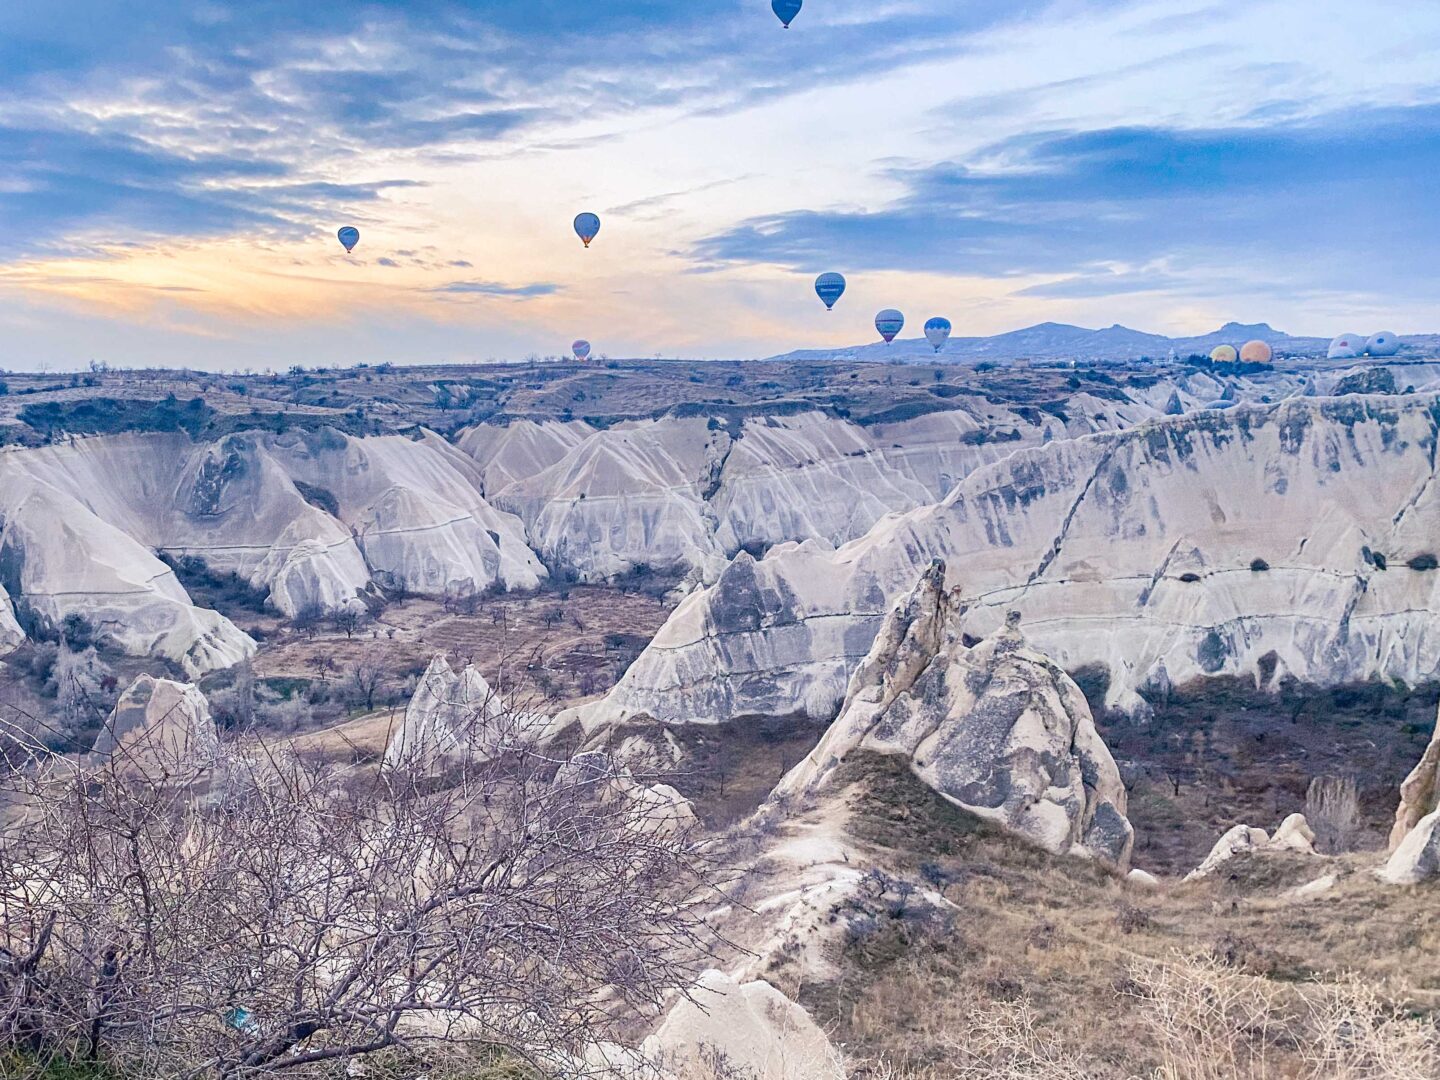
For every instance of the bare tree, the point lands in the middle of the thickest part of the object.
(347, 620)
(365, 680)
(265, 915)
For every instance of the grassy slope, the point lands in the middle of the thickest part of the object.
(1065, 935)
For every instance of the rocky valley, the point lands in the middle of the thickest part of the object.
(1014, 710)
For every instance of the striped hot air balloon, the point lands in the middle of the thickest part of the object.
(581, 348)
(889, 322)
(830, 287)
(937, 332)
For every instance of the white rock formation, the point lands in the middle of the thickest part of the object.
(517, 450)
(1130, 550)
(1293, 835)
(1142, 878)
(158, 729)
(654, 809)
(1417, 859)
(451, 718)
(1419, 793)
(1241, 838)
(753, 1028)
(10, 633)
(314, 518)
(57, 558)
(627, 496)
(996, 729)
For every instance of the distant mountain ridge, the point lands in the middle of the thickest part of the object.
(1061, 341)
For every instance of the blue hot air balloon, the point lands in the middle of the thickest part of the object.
(937, 332)
(830, 287)
(582, 350)
(786, 10)
(349, 236)
(587, 226)
(889, 322)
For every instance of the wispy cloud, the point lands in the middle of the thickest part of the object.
(495, 289)
(1348, 192)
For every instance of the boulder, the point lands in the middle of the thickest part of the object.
(1417, 858)
(996, 728)
(1294, 834)
(1143, 879)
(1239, 839)
(753, 1029)
(158, 729)
(1419, 793)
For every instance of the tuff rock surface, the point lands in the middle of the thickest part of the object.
(995, 728)
(1129, 550)
(753, 1026)
(452, 717)
(1419, 792)
(158, 728)
(1417, 858)
(315, 520)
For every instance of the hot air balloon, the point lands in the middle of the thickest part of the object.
(1256, 352)
(889, 322)
(786, 10)
(1224, 354)
(349, 236)
(582, 350)
(937, 332)
(1382, 344)
(586, 227)
(830, 287)
(1346, 347)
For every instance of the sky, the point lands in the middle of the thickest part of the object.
(172, 174)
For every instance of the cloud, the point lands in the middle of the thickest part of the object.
(1344, 197)
(135, 118)
(495, 289)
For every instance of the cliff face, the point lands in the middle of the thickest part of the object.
(1290, 540)
(687, 492)
(312, 519)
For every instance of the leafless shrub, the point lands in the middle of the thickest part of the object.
(1332, 807)
(265, 914)
(1207, 1021)
(1210, 1021)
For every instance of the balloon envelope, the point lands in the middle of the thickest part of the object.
(1224, 354)
(889, 322)
(587, 226)
(785, 10)
(582, 349)
(1382, 344)
(937, 332)
(349, 236)
(829, 287)
(1346, 347)
(1256, 352)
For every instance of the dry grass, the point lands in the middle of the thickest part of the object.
(1060, 966)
